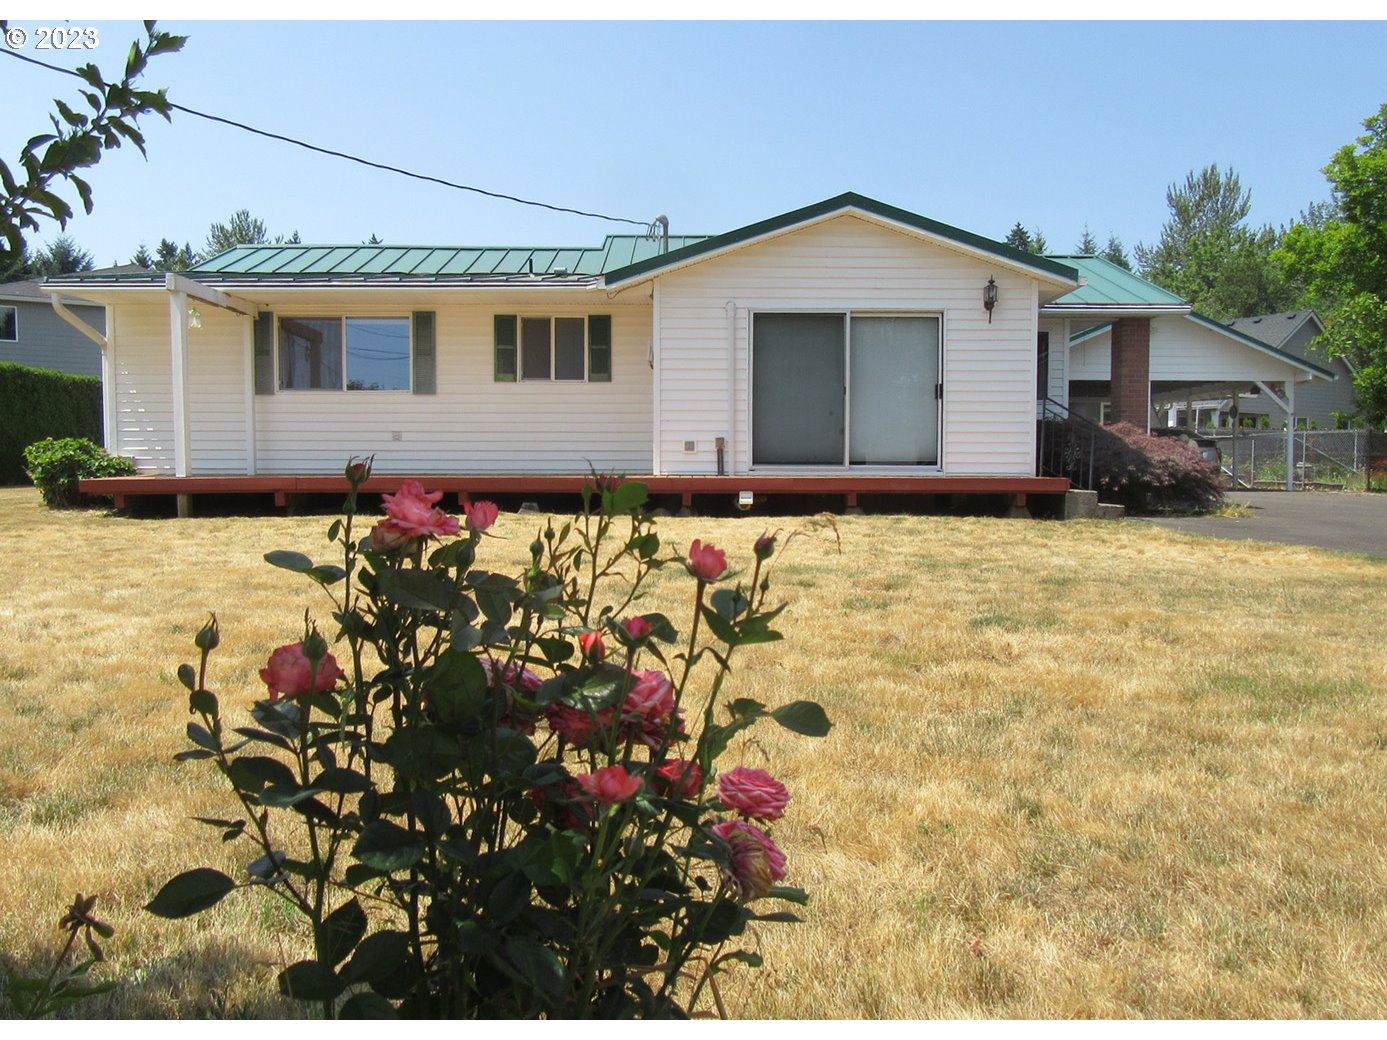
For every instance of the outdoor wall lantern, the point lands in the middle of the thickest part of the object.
(989, 297)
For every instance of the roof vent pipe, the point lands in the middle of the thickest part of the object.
(661, 222)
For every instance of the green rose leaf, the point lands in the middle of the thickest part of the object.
(804, 717)
(289, 561)
(534, 964)
(389, 847)
(628, 496)
(419, 590)
(310, 980)
(253, 772)
(456, 687)
(190, 893)
(378, 956)
(721, 627)
(187, 675)
(340, 931)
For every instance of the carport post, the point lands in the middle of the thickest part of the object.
(1290, 434)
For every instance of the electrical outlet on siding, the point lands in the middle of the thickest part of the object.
(690, 446)
(397, 435)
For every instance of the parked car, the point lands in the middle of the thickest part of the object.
(1208, 447)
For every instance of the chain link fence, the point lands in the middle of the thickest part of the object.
(1340, 459)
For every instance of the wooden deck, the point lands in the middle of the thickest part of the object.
(286, 487)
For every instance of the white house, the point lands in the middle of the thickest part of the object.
(849, 339)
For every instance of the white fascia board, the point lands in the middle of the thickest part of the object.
(981, 255)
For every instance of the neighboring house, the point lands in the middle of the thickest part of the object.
(1295, 333)
(849, 337)
(32, 334)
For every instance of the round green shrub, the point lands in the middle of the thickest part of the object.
(55, 466)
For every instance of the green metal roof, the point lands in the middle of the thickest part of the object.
(1107, 285)
(289, 263)
(848, 200)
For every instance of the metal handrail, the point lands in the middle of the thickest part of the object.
(1065, 444)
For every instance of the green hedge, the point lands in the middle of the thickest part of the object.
(35, 404)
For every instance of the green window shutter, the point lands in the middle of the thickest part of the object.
(599, 348)
(264, 353)
(425, 354)
(505, 348)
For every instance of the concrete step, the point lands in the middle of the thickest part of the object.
(1111, 511)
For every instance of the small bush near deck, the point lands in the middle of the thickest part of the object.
(35, 404)
(1153, 474)
(57, 466)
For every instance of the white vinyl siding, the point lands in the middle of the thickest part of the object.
(847, 264)
(474, 424)
(140, 342)
(1183, 351)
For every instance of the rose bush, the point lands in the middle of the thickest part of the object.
(488, 797)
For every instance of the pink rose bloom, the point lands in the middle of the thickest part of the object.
(413, 513)
(480, 515)
(610, 785)
(289, 672)
(513, 675)
(592, 645)
(705, 562)
(754, 793)
(636, 627)
(678, 778)
(578, 727)
(757, 863)
(387, 536)
(651, 696)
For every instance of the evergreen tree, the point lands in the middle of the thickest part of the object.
(239, 230)
(1038, 243)
(1207, 256)
(1114, 252)
(170, 258)
(1019, 238)
(61, 256)
(1088, 245)
(143, 258)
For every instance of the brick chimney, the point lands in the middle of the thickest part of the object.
(1131, 372)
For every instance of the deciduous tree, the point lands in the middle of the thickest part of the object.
(1342, 262)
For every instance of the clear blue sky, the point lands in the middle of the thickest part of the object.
(715, 124)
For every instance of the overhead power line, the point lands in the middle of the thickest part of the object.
(355, 158)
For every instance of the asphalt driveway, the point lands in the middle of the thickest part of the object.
(1329, 519)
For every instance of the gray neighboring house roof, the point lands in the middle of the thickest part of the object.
(1278, 330)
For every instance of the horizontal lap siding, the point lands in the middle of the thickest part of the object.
(216, 393)
(144, 398)
(474, 424)
(1182, 350)
(849, 264)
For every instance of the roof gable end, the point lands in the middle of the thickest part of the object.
(849, 203)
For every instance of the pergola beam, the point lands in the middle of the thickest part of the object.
(181, 283)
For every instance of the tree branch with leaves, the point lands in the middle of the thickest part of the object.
(77, 142)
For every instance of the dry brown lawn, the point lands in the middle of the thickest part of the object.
(1078, 770)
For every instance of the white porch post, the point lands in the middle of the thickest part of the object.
(1290, 434)
(178, 337)
(248, 376)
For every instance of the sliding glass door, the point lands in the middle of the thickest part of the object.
(836, 389)
(797, 391)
